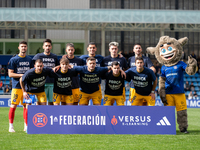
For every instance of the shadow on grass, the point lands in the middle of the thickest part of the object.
(191, 132)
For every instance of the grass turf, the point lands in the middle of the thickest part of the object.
(21, 140)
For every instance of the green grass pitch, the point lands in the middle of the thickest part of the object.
(22, 140)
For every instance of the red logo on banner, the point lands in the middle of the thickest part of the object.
(40, 120)
(114, 120)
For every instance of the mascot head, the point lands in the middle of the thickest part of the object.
(168, 50)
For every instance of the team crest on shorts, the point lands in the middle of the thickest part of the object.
(80, 96)
(105, 100)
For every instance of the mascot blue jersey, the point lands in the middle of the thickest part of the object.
(99, 59)
(174, 77)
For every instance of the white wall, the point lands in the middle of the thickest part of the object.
(67, 4)
(65, 34)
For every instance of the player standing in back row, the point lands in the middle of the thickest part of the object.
(114, 56)
(92, 48)
(18, 65)
(75, 61)
(50, 60)
(137, 49)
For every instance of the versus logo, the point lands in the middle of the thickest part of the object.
(40, 120)
(131, 120)
(114, 120)
(164, 122)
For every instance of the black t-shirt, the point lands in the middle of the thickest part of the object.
(107, 61)
(49, 61)
(63, 81)
(34, 82)
(76, 62)
(114, 85)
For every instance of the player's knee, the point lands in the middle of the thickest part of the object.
(56, 104)
(13, 105)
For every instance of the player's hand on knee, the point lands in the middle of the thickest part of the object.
(152, 95)
(25, 95)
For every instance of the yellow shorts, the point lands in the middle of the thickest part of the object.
(100, 90)
(139, 99)
(40, 96)
(124, 93)
(84, 98)
(178, 100)
(131, 94)
(109, 100)
(17, 96)
(57, 98)
(75, 93)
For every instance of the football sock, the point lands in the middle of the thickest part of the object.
(11, 115)
(26, 116)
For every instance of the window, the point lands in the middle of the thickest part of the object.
(23, 3)
(37, 34)
(5, 3)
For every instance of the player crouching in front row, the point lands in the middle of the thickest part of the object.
(90, 76)
(144, 81)
(114, 86)
(32, 83)
(62, 83)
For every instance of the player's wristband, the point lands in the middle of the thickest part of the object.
(153, 92)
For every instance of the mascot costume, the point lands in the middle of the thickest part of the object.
(168, 52)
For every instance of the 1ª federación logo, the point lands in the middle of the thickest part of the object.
(40, 120)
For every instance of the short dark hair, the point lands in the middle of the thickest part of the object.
(70, 45)
(136, 44)
(47, 40)
(139, 58)
(116, 63)
(92, 43)
(23, 42)
(64, 60)
(91, 59)
(39, 61)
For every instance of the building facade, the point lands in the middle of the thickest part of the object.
(9, 39)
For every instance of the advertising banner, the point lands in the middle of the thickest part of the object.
(5, 102)
(101, 120)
